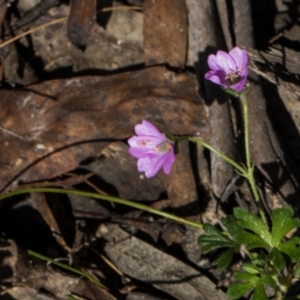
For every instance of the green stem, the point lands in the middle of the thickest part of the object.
(220, 154)
(250, 168)
(66, 267)
(246, 129)
(278, 294)
(103, 197)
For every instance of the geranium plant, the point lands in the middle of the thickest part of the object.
(271, 258)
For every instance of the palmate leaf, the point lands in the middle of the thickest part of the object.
(291, 248)
(216, 239)
(249, 281)
(249, 220)
(251, 269)
(214, 245)
(246, 276)
(269, 280)
(205, 239)
(212, 230)
(277, 259)
(282, 223)
(225, 259)
(259, 292)
(296, 272)
(238, 289)
(251, 240)
(232, 226)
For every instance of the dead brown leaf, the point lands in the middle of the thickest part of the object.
(165, 32)
(51, 127)
(144, 262)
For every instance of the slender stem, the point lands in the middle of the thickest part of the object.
(220, 154)
(250, 168)
(246, 130)
(278, 294)
(103, 197)
(66, 267)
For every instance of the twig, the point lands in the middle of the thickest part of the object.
(62, 20)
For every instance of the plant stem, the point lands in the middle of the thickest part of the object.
(102, 197)
(220, 154)
(278, 295)
(250, 168)
(246, 129)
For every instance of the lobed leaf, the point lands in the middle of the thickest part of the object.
(215, 245)
(291, 248)
(251, 240)
(245, 276)
(282, 223)
(225, 259)
(232, 226)
(238, 289)
(259, 292)
(212, 230)
(249, 220)
(297, 272)
(250, 269)
(277, 259)
(269, 280)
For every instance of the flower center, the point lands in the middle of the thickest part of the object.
(234, 77)
(144, 142)
(163, 147)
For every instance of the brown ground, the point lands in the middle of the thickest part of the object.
(71, 94)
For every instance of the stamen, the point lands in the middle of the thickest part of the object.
(164, 147)
(233, 77)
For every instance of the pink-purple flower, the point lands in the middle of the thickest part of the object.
(152, 149)
(229, 69)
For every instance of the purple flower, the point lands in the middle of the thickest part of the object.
(229, 69)
(152, 149)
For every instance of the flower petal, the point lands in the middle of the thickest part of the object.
(146, 128)
(217, 77)
(140, 152)
(168, 163)
(151, 165)
(221, 62)
(239, 86)
(240, 57)
(146, 142)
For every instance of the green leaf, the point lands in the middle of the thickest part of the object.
(245, 276)
(277, 259)
(212, 230)
(213, 246)
(249, 220)
(216, 239)
(251, 240)
(250, 269)
(291, 248)
(259, 292)
(225, 259)
(297, 272)
(282, 223)
(205, 239)
(269, 280)
(232, 226)
(238, 289)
